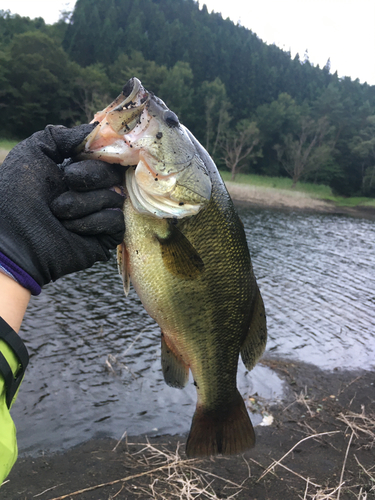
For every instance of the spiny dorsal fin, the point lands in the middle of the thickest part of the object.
(179, 255)
(175, 371)
(255, 341)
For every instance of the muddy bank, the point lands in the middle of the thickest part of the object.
(288, 200)
(325, 425)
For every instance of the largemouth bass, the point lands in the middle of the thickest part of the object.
(186, 253)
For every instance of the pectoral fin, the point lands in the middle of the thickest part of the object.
(175, 371)
(255, 341)
(122, 265)
(179, 256)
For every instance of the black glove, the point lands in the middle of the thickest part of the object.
(55, 220)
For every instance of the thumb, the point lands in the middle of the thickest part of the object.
(58, 142)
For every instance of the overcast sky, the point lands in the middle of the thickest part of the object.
(342, 30)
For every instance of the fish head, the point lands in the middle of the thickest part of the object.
(168, 177)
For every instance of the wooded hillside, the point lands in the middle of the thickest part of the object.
(250, 104)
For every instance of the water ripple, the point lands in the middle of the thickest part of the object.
(317, 277)
(95, 355)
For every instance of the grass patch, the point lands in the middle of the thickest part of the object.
(354, 201)
(7, 144)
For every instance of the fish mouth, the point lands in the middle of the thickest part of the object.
(155, 186)
(115, 121)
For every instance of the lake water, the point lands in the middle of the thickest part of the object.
(95, 355)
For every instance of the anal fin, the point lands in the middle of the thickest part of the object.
(255, 341)
(175, 371)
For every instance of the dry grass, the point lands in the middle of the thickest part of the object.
(161, 474)
(359, 425)
(167, 476)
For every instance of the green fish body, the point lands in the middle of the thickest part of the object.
(194, 277)
(193, 274)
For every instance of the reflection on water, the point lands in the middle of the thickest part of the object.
(95, 355)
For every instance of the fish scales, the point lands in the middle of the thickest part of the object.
(205, 320)
(194, 276)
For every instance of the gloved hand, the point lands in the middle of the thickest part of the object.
(54, 220)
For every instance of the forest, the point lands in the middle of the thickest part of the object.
(252, 106)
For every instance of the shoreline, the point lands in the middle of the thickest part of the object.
(277, 199)
(323, 434)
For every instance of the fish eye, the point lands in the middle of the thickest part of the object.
(171, 119)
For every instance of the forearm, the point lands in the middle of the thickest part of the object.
(13, 303)
(14, 299)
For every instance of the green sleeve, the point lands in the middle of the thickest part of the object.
(8, 441)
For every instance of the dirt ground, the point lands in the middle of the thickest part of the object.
(321, 445)
(281, 199)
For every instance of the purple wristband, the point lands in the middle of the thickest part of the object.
(19, 275)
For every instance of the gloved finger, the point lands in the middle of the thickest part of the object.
(93, 174)
(111, 240)
(58, 142)
(106, 222)
(75, 205)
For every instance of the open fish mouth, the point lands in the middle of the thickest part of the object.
(169, 179)
(115, 121)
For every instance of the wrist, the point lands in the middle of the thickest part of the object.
(10, 268)
(14, 299)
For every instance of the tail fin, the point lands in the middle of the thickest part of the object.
(227, 432)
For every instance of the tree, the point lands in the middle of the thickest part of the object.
(14, 24)
(177, 90)
(211, 72)
(276, 120)
(239, 148)
(217, 118)
(363, 146)
(305, 151)
(126, 66)
(91, 90)
(40, 78)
